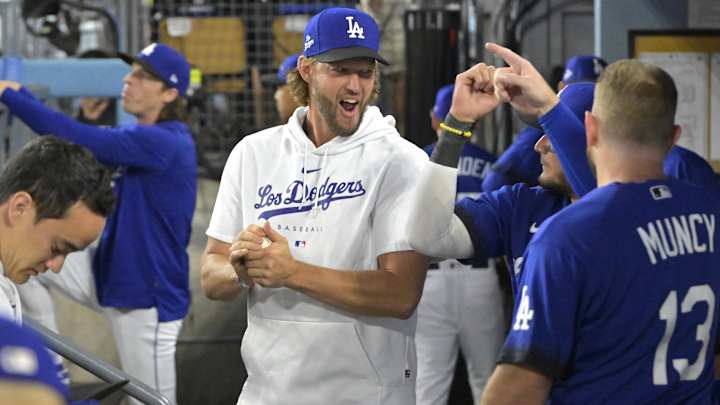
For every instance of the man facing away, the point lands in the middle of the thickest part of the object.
(634, 255)
(333, 283)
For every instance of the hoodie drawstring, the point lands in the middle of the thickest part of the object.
(316, 207)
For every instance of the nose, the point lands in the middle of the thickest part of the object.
(55, 263)
(127, 78)
(542, 145)
(353, 82)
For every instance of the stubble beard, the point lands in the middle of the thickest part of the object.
(328, 110)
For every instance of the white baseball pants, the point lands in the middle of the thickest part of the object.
(145, 346)
(461, 309)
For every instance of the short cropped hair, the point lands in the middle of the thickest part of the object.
(58, 174)
(636, 102)
(300, 90)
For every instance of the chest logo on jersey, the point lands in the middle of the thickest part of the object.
(299, 197)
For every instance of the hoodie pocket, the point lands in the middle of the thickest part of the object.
(306, 362)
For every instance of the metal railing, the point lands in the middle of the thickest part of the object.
(103, 370)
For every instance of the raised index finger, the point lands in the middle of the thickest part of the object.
(512, 59)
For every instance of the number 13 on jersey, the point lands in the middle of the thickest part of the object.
(669, 313)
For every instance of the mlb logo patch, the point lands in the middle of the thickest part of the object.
(300, 243)
(660, 192)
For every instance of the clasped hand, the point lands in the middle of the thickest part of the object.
(269, 266)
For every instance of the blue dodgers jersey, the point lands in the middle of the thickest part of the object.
(24, 358)
(619, 297)
(473, 166)
(518, 164)
(502, 222)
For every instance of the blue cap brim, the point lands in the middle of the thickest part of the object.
(339, 54)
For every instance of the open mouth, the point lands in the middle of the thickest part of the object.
(349, 106)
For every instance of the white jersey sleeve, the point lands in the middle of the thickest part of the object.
(9, 300)
(392, 206)
(227, 219)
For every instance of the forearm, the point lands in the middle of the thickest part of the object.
(449, 147)
(433, 228)
(567, 135)
(365, 292)
(218, 278)
(514, 385)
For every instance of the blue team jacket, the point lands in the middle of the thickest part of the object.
(141, 261)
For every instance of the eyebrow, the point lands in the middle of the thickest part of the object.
(68, 246)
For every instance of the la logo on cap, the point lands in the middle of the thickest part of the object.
(148, 50)
(354, 29)
(308, 42)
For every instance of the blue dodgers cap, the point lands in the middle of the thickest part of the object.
(165, 63)
(286, 66)
(583, 68)
(443, 100)
(337, 33)
(578, 97)
(24, 358)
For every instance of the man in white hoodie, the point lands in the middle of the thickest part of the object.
(309, 217)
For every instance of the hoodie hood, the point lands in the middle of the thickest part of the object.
(372, 127)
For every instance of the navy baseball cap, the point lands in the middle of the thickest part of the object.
(286, 66)
(443, 101)
(337, 33)
(583, 68)
(578, 97)
(163, 62)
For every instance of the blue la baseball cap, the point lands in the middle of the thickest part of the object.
(337, 33)
(165, 63)
(578, 97)
(443, 101)
(24, 358)
(583, 68)
(286, 66)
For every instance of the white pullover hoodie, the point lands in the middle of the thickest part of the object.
(340, 205)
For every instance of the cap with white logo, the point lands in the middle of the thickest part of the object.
(165, 63)
(583, 68)
(24, 358)
(336, 34)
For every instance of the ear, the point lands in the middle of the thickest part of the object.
(304, 68)
(677, 130)
(170, 94)
(591, 129)
(20, 205)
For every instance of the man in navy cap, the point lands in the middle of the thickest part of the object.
(309, 221)
(137, 275)
(461, 306)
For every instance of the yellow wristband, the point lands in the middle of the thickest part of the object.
(455, 131)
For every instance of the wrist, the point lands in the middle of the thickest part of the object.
(455, 127)
(294, 272)
(546, 107)
(461, 124)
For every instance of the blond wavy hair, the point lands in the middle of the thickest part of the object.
(300, 90)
